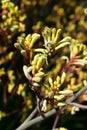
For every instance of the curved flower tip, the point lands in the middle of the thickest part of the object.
(17, 45)
(31, 39)
(27, 71)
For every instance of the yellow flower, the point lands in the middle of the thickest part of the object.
(29, 104)
(2, 114)
(2, 71)
(20, 88)
(10, 73)
(10, 87)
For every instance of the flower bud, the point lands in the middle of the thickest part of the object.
(62, 45)
(26, 71)
(27, 41)
(44, 51)
(61, 104)
(81, 62)
(23, 52)
(36, 57)
(35, 37)
(57, 35)
(39, 74)
(17, 45)
(36, 84)
(76, 50)
(37, 79)
(58, 80)
(65, 92)
(53, 33)
(63, 77)
(59, 97)
(50, 81)
(40, 61)
(66, 39)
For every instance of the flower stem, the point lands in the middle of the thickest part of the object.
(56, 121)
(28, 119)
(36, 120)
(79, 105)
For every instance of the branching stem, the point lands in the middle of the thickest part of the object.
(79, 105)
(28, 119)
(36, 120)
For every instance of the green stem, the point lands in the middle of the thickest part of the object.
(36, 120)
(79, 105)
(28, 119)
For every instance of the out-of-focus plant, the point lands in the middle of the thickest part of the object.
(57, 90)
(70, 16)
(12, 25)
(11, 21)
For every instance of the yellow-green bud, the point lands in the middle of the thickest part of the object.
(50, 81)
(26, 72)
(35, 37)
(39, 74)
(17, 45)
(65, 92)
(50, 94)
(66, 39)
(76, 50)
(61, 104)
(62, 45)
(40, 62)
(27, 41)
(36, 84)
(36, 57)
(58, 80)
(59, 97)
(53, 33)
(37, 79)
(57, 35)
(80, 62)
(44, 51)
(23, 52)
(63, 77)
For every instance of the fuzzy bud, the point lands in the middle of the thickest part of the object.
(65, 92)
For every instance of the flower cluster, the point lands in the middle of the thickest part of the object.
(53, 89)
(11, 21)
(12, 25)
